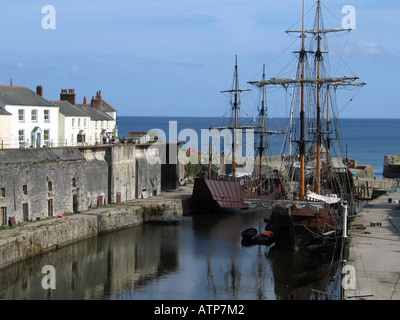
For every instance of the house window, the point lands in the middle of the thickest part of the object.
(21, 135)
(46, 135)
(25, 189)
(46, 115)
(72, 138)
(21, 115)
(73, 122)
(96, 124)
(34, 117)
(3, 192)
(79, 122)
(84, 123)
(74, 182)
(50, 186)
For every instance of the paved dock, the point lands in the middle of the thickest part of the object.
(374, 251)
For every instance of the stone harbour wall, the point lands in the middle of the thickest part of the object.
(38, 183)
(391, 166)
(43, 236)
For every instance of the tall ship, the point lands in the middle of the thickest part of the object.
(237, 188)
(318, 195)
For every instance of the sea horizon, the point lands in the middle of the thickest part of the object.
(280, 117)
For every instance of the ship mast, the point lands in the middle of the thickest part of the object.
(328, 139)
(318, 56)
(302, 141)
(319, 82)
(263, 145)
(236, 108)
(262, 113)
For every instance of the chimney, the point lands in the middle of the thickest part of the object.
(95, 103)
(39, 90)
(68, 95)
(84, 100)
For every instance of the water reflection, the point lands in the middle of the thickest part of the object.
(202, 259)
(304, 275)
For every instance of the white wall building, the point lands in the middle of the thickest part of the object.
(73, 125)
(5, 128)
(100, 122)
(34, 120)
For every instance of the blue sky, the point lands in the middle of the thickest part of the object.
(173, 57)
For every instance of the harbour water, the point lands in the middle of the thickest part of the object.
(198, 260)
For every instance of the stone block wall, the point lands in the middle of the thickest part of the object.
(97, 176)
(38, 183)
(391, 166)
(148, 176)
(122, 174)
(35, 184)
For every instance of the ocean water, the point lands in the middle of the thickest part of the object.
(367, 140)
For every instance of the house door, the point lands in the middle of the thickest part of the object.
(50, 207)
(36, 136)
(25, 211)
(3, 216)
(38, 139)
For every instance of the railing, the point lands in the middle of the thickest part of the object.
(61, 143)
(53, 143)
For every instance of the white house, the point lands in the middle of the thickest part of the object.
(34, 120)
(73, 125)
(100, 122)
(5, 128)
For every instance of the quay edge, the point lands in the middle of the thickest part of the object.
(374, 252)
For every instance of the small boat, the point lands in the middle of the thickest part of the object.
(249, 233)
(251, 236)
